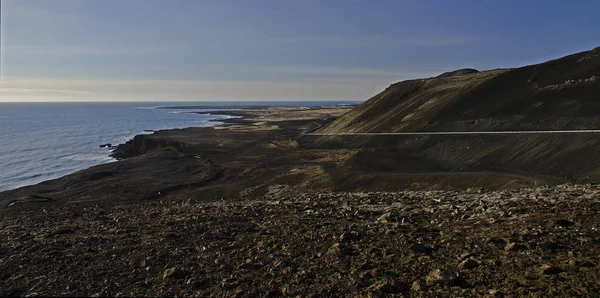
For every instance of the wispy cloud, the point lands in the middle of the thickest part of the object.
(6, 91)
(367, 72)
(373, 40)
(435, 40)
(72, 50)
(23, 89)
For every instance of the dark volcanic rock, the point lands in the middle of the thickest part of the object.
(175, 273)
(547, 269)
(421, 249)
(272, 246)
(443, 277)
(515, 247)
(468, 264)
(564, 223)
(141, 144)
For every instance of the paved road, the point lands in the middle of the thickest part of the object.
(457, 133)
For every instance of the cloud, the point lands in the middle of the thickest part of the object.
(414, 39)
(70, 50)
(182, 90)
(43, 91)
(368, 72)
(436, 40)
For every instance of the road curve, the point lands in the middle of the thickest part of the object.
(456, 133)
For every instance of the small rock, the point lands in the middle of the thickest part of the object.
(175, 273)
(196, 284)
(547, 270)
(465, 256)
(334, 249)
(421, 249)
(385, 287)
(367, 274)
(445, 277)
(385, 218)
(287, 270)
(144, 263)
(564, 223)
(469, 263)
(515, 247)
(495, 293)
(349, 236)
(416, 286)
(582, 263)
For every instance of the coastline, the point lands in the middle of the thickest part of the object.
(160, 139)
(93, 155)
(244, 156)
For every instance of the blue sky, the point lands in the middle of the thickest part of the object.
(178, 50)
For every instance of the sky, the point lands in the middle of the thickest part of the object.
(263, 50)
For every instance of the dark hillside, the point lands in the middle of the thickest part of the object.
(558, 94)
(562, 94)
(409, 105)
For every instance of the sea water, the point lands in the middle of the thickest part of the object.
(42, 141)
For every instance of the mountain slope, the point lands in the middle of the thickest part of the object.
(558, 94)
(561, 94)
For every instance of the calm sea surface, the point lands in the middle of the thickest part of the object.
(42, 141)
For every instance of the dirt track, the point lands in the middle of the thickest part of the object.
(438, 133)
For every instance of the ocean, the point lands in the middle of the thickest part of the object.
(43, 141)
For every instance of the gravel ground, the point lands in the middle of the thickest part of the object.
(541, 241)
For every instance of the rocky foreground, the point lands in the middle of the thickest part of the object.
(540, 241)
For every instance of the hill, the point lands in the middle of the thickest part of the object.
(558, 94)
(562, 94)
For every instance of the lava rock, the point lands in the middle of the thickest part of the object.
(175, 273)
(548, 270)
(443, 277)
(564, 223)
(515, 247)
(469, 263)
(421, 249)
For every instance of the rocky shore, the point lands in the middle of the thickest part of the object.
(539, 241)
